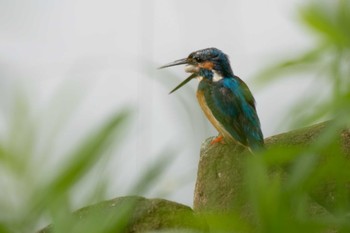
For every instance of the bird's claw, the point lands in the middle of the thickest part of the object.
(218, 139)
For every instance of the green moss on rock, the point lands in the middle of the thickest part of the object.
(132, 214)
(220, 170)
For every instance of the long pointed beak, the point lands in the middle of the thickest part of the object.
(175, 63)
(184, 82)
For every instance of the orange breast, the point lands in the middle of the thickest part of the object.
(208, 113)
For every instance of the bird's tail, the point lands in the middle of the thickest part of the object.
(256, 147)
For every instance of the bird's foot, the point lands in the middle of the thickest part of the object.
(218, 139)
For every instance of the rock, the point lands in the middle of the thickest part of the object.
(132, 214)
(220, 171)
(219, 177)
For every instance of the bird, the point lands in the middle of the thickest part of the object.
(224, 98)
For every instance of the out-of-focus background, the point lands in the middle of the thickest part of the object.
(66, 66)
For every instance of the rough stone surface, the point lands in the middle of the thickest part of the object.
(299, 137)
(146, 215)
(219, 165)
(220, 168)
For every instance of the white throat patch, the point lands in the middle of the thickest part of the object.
(216, 76)
(199, 78)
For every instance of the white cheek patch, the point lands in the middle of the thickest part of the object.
(199, 78)
(216, 76)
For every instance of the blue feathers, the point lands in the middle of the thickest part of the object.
(233, 106)
(208, 74)
(225, 99)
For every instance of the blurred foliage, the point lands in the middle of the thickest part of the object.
(34, 192)
(30, 190)
(278, 202)
(327, 61)
(312, 194)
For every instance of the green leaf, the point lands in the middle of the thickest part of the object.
(81, 160)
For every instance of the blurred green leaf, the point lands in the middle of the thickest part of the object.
(302, 63)
(331, 20)
(86, 155)
(152, 173)
(230, 222)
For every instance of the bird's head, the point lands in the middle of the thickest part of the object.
(205, 63)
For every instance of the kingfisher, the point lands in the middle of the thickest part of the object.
(224, 98)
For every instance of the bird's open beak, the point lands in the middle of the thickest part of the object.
(184, 82)
(175, 63)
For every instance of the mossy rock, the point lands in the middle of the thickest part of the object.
(221, 167)
(131, 214)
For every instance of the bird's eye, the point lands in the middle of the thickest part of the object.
(197, 59)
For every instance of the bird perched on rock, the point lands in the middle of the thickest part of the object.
(224, 98)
